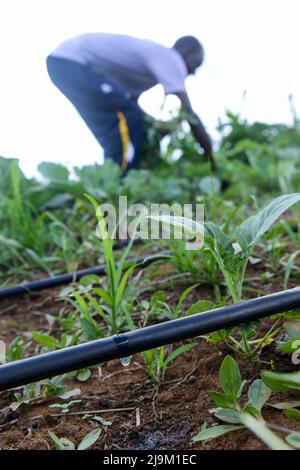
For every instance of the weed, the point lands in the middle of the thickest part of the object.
(238, 416)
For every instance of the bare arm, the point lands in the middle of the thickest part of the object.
(197, 127)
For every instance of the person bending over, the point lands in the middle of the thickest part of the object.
(104, 74)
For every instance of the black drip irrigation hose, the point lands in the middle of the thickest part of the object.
(48, 282)
(96, 352)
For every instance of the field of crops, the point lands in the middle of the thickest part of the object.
(234, 388)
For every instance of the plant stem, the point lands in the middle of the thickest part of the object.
(227, 277)
(278, 428)
(270, 332)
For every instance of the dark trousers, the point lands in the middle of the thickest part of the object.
(116, 121)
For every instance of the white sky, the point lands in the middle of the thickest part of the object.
(250, 45)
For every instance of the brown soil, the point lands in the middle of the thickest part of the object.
(143, 416)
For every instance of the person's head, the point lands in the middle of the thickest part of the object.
(192, 52)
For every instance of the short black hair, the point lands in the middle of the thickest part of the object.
(189, 44)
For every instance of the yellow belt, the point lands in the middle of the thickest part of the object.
(125, 138)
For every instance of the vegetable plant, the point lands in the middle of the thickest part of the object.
(237, 416)
(232, 253)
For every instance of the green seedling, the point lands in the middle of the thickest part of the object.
(119, 287)
(159, 308)
(15, 351)
(291, 342)
(54, 387)
(289, 267)
(185, 261)
(237, 416)
(232, 253)
(158, 360)
(98, 419)
(63, 443)
(65, 407)
(281, 382)
(49, 343)
(232, 256)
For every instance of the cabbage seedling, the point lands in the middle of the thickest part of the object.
(232, 253)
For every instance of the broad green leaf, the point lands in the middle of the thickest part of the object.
(84, 375)
(90, 439)
(61, 443)
(188, 225)
(293, 413)
(210, 185)
(285, 405)
(67, 444)
(294, 440)
(157, 299)
(293, 330)
(65, 406)
(258, 394)
(89, 279)
(56, 202)
(292, 345)
(215, 432)
(45, 340)
(70, 393)
(230, 378)
(104, 422)
(263, 433)
(221, 400)
(281, 382)
(252, 229)
(200, 306)
(252, 411)
(228, 415)
(220, 240)
(54, 171)
(218, 336)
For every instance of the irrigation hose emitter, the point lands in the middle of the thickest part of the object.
(73, 358)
